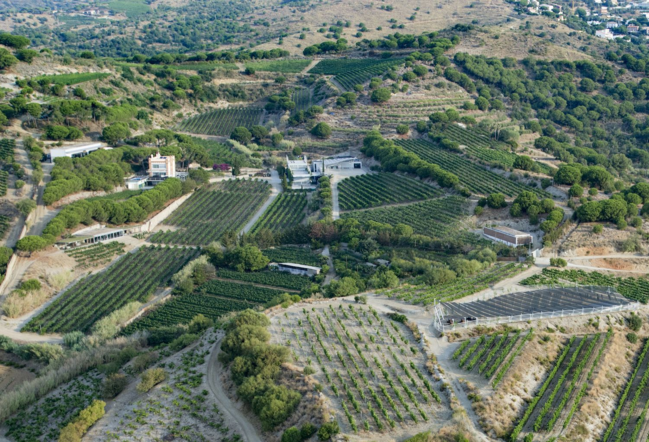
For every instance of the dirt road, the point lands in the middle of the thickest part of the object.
(214, 372)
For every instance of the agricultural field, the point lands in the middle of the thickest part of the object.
(96, 254)
(239, 291)
(636, 289)
(286, 211)
(5, 224)
(134, 277)
(491, 355)
(297, 255)
(350, 78)
(434, 218)
(43, 421)
(189, 66)
(183, 308)
(281, 66)
(4, 178)
(457, 289)
(281, 280)
(371, 367)
(558, 397)
(474, 177)
(302, 99)
(336, 66)
(7, 146)
(372, 190)
(72, 79)
(132, 8)
(220, 153)
(211, 211)
(222, 121)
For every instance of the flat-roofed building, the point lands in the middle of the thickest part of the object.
(74, 150)
(295, 269)
(507, 235)
(90, 237)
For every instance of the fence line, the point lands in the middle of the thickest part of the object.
(532, 316)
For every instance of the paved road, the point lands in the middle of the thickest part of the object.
(214, 371)
(274, 193)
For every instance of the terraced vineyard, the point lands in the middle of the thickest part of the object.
(208, 213)
(4, 178)
(297, 255)
(286, 211)
(133, 278)
(335, 66)
(632, 288)
(5, 223)
(281, 66)
(182, 309)
(277, 279)
(96, 254)
(239, 292)
(369, 365)
(474, 177)
(222, 121)
(372, 190)
(302, 99)
(491, 356)
(350, 78)
(220, 153)
(74, 78)
(458, 289)
(435, 218)
(7, 146)
(558, 397)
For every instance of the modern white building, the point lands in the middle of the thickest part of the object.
(605, 33)
(162, 166)
(75, 150)
(300, 172)
(90, 237)
(137, 183)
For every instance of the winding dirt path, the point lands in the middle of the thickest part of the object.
(274, 193)
(214, 372)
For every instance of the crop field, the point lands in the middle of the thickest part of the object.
(189, 66)
(5, 223)
(281, 66)
(182, 309)
(457, 289)
(277, 279)
(434, 218)
(96, 254)
(297, 255)
(554, 403)
(350, 78)
(4, 178)
(43, 422)
(629, 416)
(491, 355)
(337, 66)
(302, 99)
(7, 146)
(207, 214)
(286, 211)
(220, 153)
(474, 177)
(371, 367)
(134, 277)
(636, 289)
(71, 79)
(239, 291)
(372, 190)
(132, 8)
(222, 121)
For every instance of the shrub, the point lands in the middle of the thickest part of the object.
(328, 430)
(321, 130)
(402, 129)
(113, 385)
(598, 228)
(558, 262)
(632, 338)
(292, 435)
(183, 341)
(144, 361)
(79, 426)
(308, 370)
(30, 285)
(307, 430)
(150, 379)
(635, 322)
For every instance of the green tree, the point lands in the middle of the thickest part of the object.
(247, 258)
(115, 133)
(241, 134)
(381, 95)
(321, 130)
(496, 201)
(26, 55)
(26, 206)
(31, 244)
(576, 191)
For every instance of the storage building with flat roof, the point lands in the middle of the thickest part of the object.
(507, 235)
